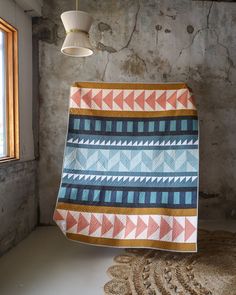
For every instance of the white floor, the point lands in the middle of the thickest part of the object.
(46, 263)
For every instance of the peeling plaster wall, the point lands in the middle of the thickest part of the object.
(150, 41)
(18, 201)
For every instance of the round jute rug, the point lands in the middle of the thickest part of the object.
(210, 271)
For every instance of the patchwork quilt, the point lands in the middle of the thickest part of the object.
(130, 171)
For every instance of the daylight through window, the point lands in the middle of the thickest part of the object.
(9, 138)
(3, 137)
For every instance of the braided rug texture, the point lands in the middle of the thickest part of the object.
(211, 271)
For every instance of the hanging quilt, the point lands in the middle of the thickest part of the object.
(130, 172)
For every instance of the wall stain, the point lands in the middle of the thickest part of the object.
(190, 29)
(103, 27)
(45, 29)
(158, 28)
(103, 47)
(205, 195)
(134, 65)
(172, 16)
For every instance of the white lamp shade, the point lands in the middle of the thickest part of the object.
(77, 25)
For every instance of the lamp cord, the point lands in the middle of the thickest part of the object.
(77, 5)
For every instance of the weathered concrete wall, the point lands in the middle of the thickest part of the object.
(151, 41)
(18, 206)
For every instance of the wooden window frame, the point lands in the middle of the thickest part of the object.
(12, 92)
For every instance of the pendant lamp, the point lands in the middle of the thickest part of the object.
(77, 25)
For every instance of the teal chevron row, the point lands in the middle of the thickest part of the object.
(132, 160)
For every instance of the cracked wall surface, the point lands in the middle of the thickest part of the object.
(147, 41)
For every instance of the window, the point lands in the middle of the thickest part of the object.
(9, 126)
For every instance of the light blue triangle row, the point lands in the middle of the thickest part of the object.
(136, 146)
(73, 136)
(127, 183)
(131, 139)
(130, 174)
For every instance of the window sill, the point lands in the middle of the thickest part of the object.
(4, 165)
(5, 160)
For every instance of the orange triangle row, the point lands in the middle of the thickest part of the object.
(93, 224)
(121, 101)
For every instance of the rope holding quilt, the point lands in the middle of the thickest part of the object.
(130, 171)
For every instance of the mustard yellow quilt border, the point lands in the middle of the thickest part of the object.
(125, 210)
(128, 86)
(129, 114)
